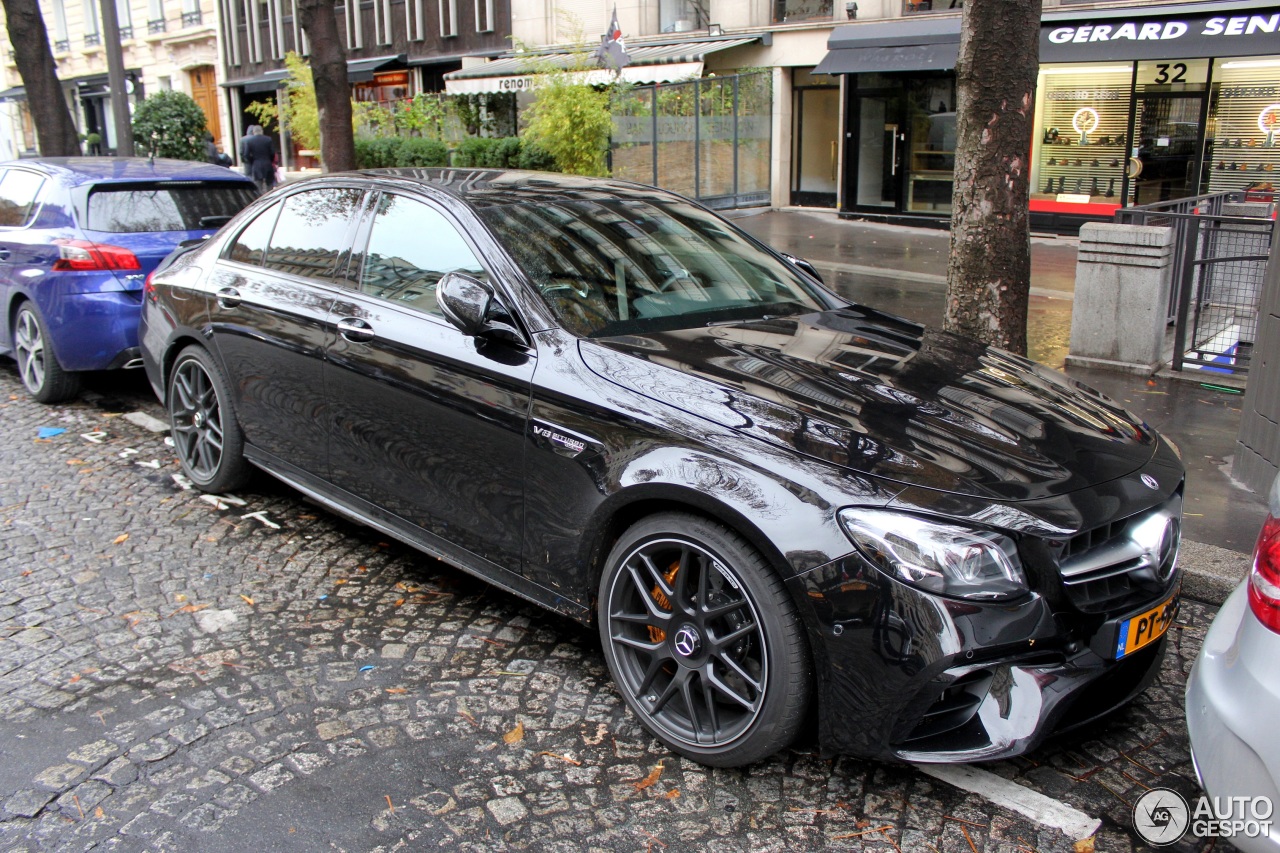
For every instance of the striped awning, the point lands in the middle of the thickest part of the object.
(659, 63)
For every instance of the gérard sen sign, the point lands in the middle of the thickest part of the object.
(1245, 34)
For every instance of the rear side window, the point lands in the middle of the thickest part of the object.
(249, 247)
(171, 206)
(311, 233)
(18, 191)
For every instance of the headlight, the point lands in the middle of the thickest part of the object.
(942, 558)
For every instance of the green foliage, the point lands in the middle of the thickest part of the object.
(572, 123)
(425, 115)
(534, 157)
(170, 124)
(386, 152)
(508, 152)
(301, 115)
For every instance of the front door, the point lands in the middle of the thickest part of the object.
(876, 143)
(815, 134)
(1168, 146)
(204, 90)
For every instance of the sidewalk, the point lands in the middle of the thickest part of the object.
(903, 270)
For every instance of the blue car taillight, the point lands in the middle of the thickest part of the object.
(87, 255)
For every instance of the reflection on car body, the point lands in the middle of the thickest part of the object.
(613, 403)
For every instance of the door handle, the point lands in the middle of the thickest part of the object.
(355, 330)
(4, 254)
(228, 297)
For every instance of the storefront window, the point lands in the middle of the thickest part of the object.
(386, 89)
(1243, 134)
(1081, 147)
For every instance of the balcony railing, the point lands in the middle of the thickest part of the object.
(62, 46)
(156, 26)
(92, 39)
(126, 33)
(192, 19)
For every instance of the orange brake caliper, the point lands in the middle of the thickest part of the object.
(656, 634)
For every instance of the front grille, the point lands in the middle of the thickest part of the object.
(1111, 566)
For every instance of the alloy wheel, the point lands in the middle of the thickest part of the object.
(29, 349)
(688, 642)
(197, 419)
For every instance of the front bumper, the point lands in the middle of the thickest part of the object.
(906, 675)
(1233, 702)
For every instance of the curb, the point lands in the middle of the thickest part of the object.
(1210, 573)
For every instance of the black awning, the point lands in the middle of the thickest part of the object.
(361, 70)
(914, 44)
(917, 57)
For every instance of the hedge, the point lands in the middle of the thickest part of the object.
(508, 152)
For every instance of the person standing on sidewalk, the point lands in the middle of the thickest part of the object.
(258, 152)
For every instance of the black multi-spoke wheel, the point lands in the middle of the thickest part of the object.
(205, 433)
(43, 377)
(703, 641)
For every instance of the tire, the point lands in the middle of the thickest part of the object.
(205, 433)
(703, 641)
(44, 378)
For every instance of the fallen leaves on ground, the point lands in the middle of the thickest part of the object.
(575, 762)
(120, 538)
(1084, 845)
(654, 775)
(247, 600)
(515, 735)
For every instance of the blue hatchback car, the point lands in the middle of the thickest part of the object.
(78, 237)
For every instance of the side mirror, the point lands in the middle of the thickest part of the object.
(470, 305)
(804, 265)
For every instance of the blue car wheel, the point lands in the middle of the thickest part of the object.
(44, 378)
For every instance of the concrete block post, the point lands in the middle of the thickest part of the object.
(1123, 279)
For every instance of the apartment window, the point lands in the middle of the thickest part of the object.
(382, 21)
(415, 21)
(484, 16)
(791, 11)
(355, 25)
(448, 17)
(60, 33)
(230, 24)
(166, 84)
(124, 18)
(91, 24)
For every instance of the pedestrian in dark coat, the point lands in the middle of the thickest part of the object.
(259, 153)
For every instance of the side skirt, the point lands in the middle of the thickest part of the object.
(361, 511)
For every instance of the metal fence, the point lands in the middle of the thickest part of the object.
(707, 138)
(1222, 242)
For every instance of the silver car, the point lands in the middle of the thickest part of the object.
(1233, 699)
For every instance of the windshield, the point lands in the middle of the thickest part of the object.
(172, 206)
(631, 266)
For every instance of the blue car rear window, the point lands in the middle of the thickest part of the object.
(166, 207)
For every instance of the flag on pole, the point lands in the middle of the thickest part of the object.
(613, 50)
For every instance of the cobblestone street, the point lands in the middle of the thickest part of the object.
(179, 672)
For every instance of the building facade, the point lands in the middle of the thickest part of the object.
(167, 44)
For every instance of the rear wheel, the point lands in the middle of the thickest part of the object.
(703, 640)
(205, 433)
(43, 377)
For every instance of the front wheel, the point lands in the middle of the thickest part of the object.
(44, 378)
(703, 641)
(205, 433)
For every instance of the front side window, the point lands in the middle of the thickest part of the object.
(133, 208)
(631, 266)
(18, 191)
(411, 247)
(311, 233)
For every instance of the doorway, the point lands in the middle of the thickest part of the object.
(1167, 136)
(204, 91)
(815, 133)
(876, 142)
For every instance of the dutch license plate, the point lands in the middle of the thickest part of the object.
(1143, 629)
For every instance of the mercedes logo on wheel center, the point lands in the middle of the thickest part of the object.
(687, 641)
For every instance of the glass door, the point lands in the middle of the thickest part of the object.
(876, 151)
(815, 134)
(1167, 147)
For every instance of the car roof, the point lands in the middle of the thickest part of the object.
(76, 171)
(509, 186)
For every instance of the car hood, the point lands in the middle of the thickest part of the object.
(889, 398)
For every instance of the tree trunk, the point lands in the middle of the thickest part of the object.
(333, 91)
(55, 131)
(989, 271)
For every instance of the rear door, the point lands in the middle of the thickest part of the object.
(272, 291)
(426, 424)
(19, 254)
